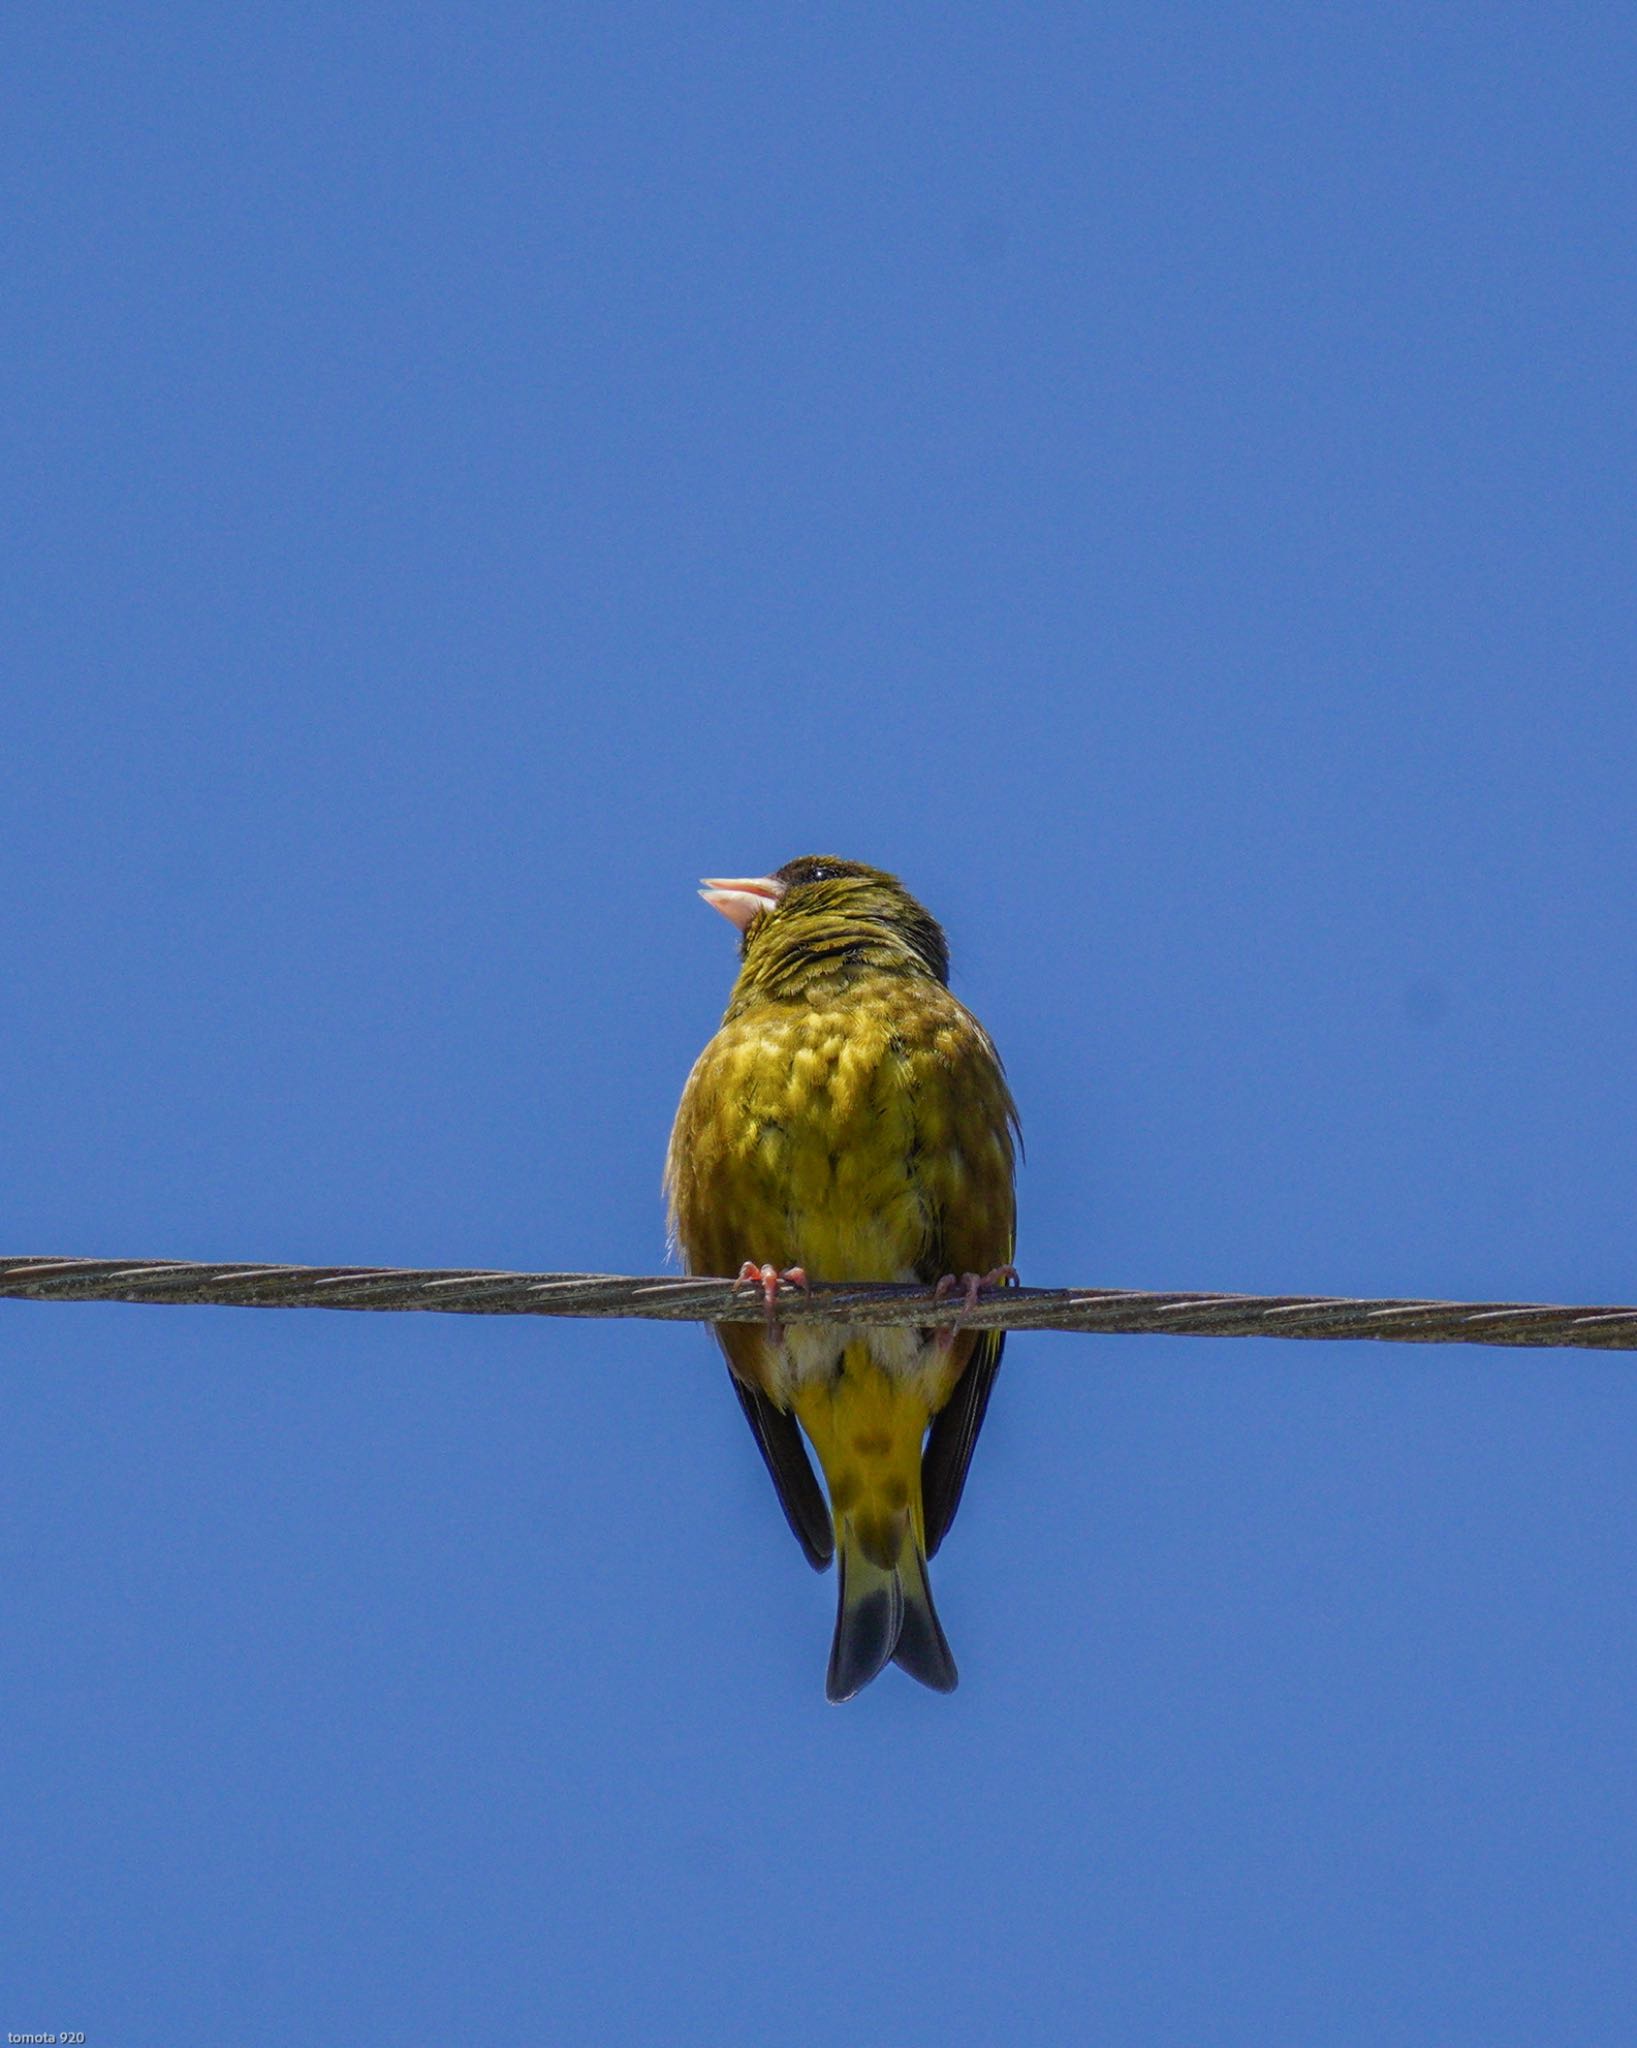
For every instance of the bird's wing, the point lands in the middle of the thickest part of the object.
(954, 1436)
(718, 1220)
(778, 1438)
(969, 1185)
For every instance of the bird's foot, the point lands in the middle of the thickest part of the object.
(769, 1279)
(971, 1286)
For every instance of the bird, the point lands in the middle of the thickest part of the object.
(851, 1120)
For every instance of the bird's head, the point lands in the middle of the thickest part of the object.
(821, 917)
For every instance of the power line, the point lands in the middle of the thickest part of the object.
(1099, 1310)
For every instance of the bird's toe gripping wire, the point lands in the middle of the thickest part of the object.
(769, 1279)
(971, 1286)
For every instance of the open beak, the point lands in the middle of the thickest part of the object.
(740, 901)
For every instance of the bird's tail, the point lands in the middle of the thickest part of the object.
(868, 1425)
(884, 1610)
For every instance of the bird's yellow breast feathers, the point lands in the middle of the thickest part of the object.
(860, 1139)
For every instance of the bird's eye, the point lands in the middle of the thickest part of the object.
(801, 874)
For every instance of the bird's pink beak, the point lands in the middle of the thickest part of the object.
(740, 901)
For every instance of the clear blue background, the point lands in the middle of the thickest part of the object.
(1160, 478)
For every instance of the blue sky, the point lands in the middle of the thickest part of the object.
(1159, 478)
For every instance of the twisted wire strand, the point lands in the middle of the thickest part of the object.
(665, 1298)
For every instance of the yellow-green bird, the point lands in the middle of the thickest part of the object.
(851, 1121)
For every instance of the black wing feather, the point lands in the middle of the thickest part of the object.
(778, 1437)
(953, 1438)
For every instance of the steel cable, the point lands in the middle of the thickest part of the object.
(665, 1298)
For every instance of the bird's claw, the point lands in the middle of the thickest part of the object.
(971, 1286)
(769, 1279)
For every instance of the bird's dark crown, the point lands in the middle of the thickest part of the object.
(835, 916)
